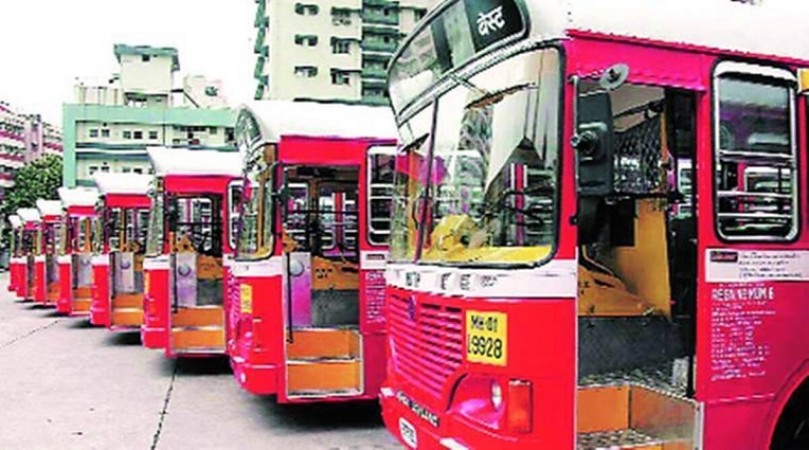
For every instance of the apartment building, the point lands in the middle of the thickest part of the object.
(109, 126)
(23, 138)
(330, 51)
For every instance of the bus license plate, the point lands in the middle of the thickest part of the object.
(486, 337)
(408, 433)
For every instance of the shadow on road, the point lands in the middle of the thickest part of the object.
(124, 338)
(80, 323)
(219, 365)
(320, 416)
(37, 307)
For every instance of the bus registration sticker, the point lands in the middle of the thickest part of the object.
(246, 297)
(486, 337)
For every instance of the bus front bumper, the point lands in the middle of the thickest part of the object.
(400, 421)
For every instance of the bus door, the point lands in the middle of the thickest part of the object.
(79, 233)
(321, 282)
(128, 244)
(197, 319)
(53, 231)
(637, 266)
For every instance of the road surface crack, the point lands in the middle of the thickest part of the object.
(29, 334)
(166, 401)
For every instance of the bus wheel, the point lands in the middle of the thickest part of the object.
(792, 430)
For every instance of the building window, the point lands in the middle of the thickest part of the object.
(91, 170)
(93, 132)
(306, 40)
(340, 46)
(341, 16)
(126, 170)
(340, 77)
(127, 134)
(306, 71)
(105, 132)
(420, 13)
(145, 58)
(306, 9)
(105, 169)
(153, 135)
(213, 131)
(138, 135)
(137, 170)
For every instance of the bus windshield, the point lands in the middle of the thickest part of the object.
(491, 169)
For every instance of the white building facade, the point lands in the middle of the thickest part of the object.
(330, 51)
(109, 126)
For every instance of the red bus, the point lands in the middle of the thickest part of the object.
(545, 291)
(117, 262)
(307, 324)
(75, 253)
(16, 260)
(190, 241)
(46, 268)
(29, 248)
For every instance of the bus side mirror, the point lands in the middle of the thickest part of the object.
(594, 145)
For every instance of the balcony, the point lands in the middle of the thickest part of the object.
(375, 45)
(374, 72)
(259, 95)
(259, 70)
(374, 16)
(262, 35)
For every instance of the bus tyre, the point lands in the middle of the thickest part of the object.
(792, 430)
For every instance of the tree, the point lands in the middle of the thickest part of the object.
(37, 180)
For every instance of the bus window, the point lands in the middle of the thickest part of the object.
(755, 157)
(154, 236)
(234, 199)
(381, 168)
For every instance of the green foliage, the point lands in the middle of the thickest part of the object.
(39, 179)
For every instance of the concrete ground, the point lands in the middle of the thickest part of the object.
(67, 385)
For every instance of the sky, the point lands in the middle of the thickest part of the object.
(45, 45)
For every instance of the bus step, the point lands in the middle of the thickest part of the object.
(184, 339)
(127, 301)
(127, 317)
(625, 440)
(200, 351)
(627, 416)
(329, 343)
(324, 375)
(325, 394)
(199, 316)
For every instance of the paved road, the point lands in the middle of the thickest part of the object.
(66, 385)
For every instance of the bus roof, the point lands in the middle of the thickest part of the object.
(78, 196)
(177, 161)
(761, 27)
(29, 214)
(122, 183)
(15, 221)
(49, 207)
(276, 119)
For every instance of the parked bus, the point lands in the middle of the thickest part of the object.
(16, 260)
(117, 262)
(76, 250)
(191, 240)
(307, 323)
(545, 292)
(29, 241)
(46, 267)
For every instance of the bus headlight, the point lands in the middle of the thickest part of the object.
(497, 395)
